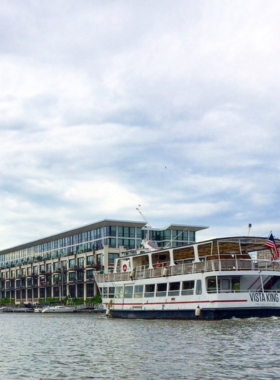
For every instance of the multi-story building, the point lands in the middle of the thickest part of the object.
(62, 265)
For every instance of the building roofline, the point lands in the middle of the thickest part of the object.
(98, 224)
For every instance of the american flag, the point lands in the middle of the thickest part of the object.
(271, 244)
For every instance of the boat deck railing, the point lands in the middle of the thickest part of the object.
(190, 268)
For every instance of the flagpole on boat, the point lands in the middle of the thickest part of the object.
(249, 228)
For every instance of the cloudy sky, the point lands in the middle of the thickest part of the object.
(105, 105)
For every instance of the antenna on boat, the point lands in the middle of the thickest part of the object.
(249, 228)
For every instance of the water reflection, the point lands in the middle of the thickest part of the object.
(90, 347)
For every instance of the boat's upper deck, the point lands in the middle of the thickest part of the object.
(182, 267)
(227, 254)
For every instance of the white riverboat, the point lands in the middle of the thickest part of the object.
(215, 279)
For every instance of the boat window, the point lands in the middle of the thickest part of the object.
(119, 292)
(161, 290)
(225, 284)
(138, 291)
(149, 290)
(198, 287)
(111, 292)
(174, 289)
(128, 291)
(236, 284)
(211, 285)
(105, 292)
(187, 288)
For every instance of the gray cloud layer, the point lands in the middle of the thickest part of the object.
(107, 105)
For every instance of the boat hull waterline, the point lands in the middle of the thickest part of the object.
(215, 314)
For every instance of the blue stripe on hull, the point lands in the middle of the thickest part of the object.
(190, 314)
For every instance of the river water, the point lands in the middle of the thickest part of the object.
(87, 346)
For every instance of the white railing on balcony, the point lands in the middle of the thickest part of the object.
(190, 268)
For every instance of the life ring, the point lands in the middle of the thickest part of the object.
(124, 267)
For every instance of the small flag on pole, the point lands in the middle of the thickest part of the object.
(271, 244)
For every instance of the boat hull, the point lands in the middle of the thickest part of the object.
(211, 314)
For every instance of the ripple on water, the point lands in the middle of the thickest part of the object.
(93, 346)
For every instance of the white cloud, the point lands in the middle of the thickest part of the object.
(107, 105)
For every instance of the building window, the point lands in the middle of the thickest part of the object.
(112, 257)
(192, 236)
(56, 266)
(42, 268)
(127, 243)
(81, 262)
(56, 291)
(90, 260)
(112, 243)
(80, 289)
(90, 290)
(90, 274)
(72, 276)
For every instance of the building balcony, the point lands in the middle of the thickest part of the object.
(79, 267)
(55, 283)
(91, 265)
